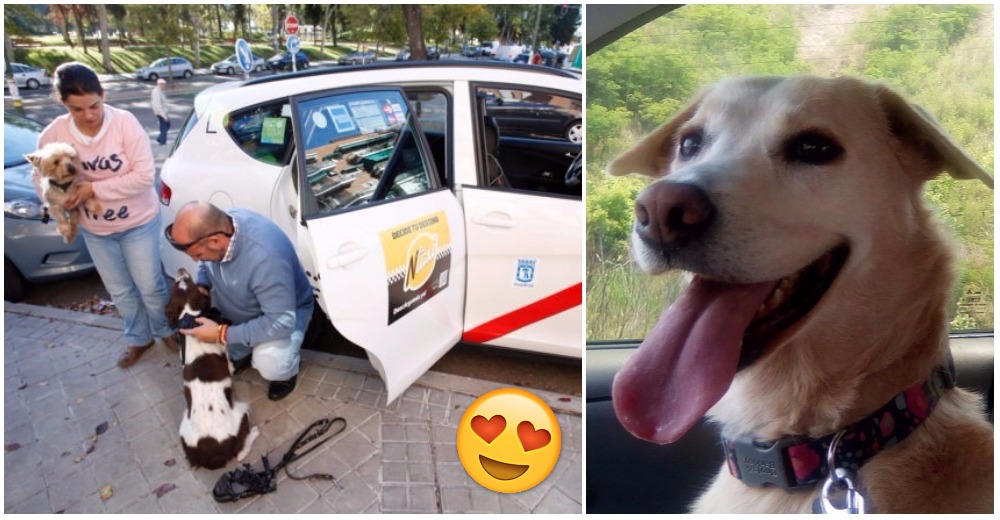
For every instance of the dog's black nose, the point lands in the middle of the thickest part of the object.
(669, 214)
(71, 169)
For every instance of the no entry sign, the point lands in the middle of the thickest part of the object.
(291, 24)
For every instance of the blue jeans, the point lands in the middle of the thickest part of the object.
(276, 360)
(129, 265)
(164, 126)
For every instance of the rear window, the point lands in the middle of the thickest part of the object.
(264, 132)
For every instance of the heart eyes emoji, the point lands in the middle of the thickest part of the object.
(490, 429)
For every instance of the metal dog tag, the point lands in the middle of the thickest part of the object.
(839, 496)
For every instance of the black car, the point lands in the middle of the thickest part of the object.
(283, 61)
(538, 115)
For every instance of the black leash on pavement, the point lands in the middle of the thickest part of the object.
(244, 482)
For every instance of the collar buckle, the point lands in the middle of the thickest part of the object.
(759, 464)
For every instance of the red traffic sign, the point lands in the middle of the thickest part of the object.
(291, 24)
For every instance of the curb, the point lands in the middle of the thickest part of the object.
(559, 403)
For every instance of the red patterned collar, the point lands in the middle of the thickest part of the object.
(796, 463)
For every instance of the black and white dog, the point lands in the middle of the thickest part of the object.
(215, 429)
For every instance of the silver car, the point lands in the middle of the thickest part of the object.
(33, 251)
(163, 67)
(231, 65)
(26, 76)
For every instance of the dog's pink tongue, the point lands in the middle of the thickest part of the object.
(687, 362)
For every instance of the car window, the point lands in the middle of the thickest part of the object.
(360, 147)
(264, 132)
(940, 56)
(531, 136)
(433, 110)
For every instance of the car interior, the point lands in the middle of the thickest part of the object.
(628, 475)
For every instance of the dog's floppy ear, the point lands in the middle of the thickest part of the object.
(653, 153)
(921, 133)
(174, 306)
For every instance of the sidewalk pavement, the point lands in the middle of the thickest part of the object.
(62, 388)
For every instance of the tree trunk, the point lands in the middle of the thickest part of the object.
(333, 26)
(78, 20)
(102, 13)
(196, 21)
(218, 21)
(415, 31)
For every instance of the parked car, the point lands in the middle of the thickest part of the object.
(433, 53)
(417, 219)
(26, 76)
(163, 67)
(548, 58)
(535, 115)
(231, 65)
(33, 251)
(357, 57)
(283, 61)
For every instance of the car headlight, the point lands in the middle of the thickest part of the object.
(22, 208)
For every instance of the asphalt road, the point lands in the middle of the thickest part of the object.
(87, 293)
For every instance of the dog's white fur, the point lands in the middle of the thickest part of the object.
(215, 428)
(59, 163)
(883, 324)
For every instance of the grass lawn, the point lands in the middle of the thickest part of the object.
(54, 52)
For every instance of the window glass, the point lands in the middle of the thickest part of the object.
(540, 115)
(530, 139)
(432, 110)
(361, 147)
(264, 132)
(939, 56)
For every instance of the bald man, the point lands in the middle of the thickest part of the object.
(256, 281)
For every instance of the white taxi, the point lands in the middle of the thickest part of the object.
(419, 224)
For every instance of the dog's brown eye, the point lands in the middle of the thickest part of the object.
(812, 148)
(690, 145)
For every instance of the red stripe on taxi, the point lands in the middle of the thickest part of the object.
(532, 313)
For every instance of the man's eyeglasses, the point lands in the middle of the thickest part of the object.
(184, 247)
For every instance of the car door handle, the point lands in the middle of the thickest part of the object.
(345, 259)
(504, 221)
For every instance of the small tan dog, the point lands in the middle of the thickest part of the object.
(60, 167)
(817, 303)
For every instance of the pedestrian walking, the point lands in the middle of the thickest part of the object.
(158, 99)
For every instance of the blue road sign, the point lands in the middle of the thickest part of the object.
(293, 44)
(244, 55)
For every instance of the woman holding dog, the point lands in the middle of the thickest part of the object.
(118, 170)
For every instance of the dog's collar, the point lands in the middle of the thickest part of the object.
(796, 463)
(61, 185)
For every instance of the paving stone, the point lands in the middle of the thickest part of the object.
(61, 381)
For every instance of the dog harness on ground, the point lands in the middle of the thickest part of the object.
(796, 463)
(245, 482)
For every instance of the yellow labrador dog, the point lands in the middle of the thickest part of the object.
(815, 315)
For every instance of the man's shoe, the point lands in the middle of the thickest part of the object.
(241, 364)
(279, 390)
(132, 354)
(171, 342)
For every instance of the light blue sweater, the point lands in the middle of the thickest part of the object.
(263, 288)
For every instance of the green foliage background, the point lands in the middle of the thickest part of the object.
(940, 56)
